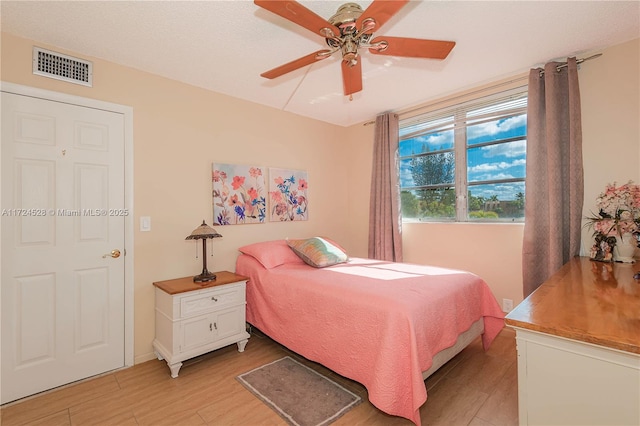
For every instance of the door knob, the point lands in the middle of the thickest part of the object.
(114, 253)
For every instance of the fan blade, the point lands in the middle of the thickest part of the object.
(381, 11)
(413, 47)
(351, 77)
(298, 63)
(298, 14)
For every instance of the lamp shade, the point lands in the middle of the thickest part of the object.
(203, 231)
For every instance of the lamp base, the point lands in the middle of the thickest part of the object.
(204, 277)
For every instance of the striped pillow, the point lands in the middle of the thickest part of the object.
(318, 252)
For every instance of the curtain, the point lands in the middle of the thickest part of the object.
(554, 191)
(385, 242)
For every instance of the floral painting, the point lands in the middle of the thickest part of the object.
(288, 198)
(239, 194)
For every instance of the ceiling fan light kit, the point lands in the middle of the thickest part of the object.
(349, 30)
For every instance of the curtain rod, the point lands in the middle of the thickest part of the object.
(559, 67)
(578, 62)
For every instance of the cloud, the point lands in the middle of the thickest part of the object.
(504, 191)
(491, 167)
(406, 177)
(438, 140)
(509, 149)
(497, 126)
(493, 176)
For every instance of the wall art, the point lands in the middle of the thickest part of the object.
(239, 194)
(288, 195)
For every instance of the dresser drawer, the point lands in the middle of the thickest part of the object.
(211, 300)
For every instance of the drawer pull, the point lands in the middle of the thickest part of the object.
(214, 298)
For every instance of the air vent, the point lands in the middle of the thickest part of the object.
(62, 67)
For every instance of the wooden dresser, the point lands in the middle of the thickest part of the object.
(578, 341)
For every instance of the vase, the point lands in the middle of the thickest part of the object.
(625, 248)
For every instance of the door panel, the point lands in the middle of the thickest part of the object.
(35, 314)
(92, 325)
(195, 332)
(230, 322)
(62, 301)
(34, 128)
(34, 182)
(91, 187)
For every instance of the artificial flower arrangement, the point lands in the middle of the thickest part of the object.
(618, 219)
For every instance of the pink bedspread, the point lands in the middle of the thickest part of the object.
(378, 323)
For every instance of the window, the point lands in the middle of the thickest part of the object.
(466, 162)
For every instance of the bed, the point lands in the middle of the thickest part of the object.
(385, 325)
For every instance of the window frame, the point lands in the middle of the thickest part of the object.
(461, 122)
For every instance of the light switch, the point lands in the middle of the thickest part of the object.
(145, 223)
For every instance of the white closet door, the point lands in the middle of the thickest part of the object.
(62, 211)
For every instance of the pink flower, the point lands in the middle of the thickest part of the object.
(279, 180)
(218, 175)
(234, 201)
(281, 209)
(276, 196)
(255, 172)
(619, 210)
(253, 194)
(302, 185)
(238, 181)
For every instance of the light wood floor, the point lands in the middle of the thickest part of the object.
(475, 388)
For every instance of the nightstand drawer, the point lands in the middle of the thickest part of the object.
(210, 300)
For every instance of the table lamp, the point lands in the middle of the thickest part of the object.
(204, 232)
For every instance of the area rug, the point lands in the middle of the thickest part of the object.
(300, 395)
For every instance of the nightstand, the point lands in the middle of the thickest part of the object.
(193, 319)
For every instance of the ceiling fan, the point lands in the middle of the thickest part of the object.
(351, 29)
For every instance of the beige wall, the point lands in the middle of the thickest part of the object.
(610, 93)
(179, 130)
(610, 98)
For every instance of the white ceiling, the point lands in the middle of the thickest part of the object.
(223, 46)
